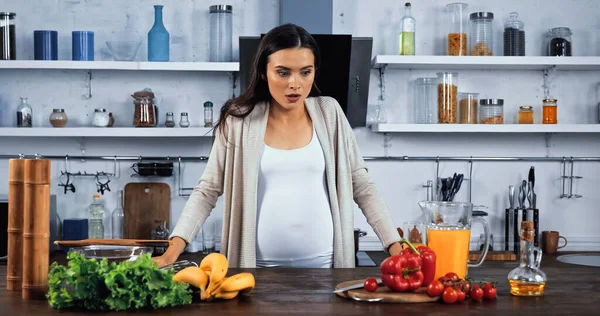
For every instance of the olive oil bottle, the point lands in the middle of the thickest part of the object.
(407, 33)
(528, 279)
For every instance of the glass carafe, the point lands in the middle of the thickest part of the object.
(449, 235)
(528, 279)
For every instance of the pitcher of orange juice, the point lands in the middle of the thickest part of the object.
(449, 235)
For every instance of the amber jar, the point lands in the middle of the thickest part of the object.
(525, 114)
(549, 112)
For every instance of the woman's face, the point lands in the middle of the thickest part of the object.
(290, 76)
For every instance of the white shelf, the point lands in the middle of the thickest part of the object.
(105, 132)
(486, 128)
(119, 65)
(486, 62)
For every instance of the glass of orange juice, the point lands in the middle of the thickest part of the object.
(449, 235)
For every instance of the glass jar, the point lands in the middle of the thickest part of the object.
(559, 41)
(514, 36)
(525, 114)
(447, 97)
(24, 114)
(549, 111)
(58, 118)
(100, 118)
(145, 112)
(482, 34)
(8, 37)
(491, 111)
(456, 40)
(170, 122)
(426, 101)
(467, 107)
(183, 121)
(221, 39)
(208, 114)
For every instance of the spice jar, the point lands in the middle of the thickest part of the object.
(549, 111)
(447, 97)
(58, 118)
(559, 41)
(525, 114)
(100, 118)
(170, 122)
(208, 114)
(145, 110)
(491, 111)
(467, 107)
(456, 39)
(482, 34)
(183, 121)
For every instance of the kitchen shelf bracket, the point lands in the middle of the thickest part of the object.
(382, 70)
(233, 77)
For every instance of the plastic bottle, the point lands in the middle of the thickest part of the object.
(96, 221)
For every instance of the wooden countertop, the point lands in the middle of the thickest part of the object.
(571, 289)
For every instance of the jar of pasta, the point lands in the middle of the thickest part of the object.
(491, 111)
(467, 107)
(447, 97)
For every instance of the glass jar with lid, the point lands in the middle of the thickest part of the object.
(549, 111)
(426, 100)
(491, 111)
(58, 118)
(559, 41)
(220, 30)
(525, 115)
(482, 34)
(100, 118)
(514, 36)
(170, 121)
(467, 107)
(456, 39)
(183, 121)
(447, 97)
(208, 114)
(145, 110)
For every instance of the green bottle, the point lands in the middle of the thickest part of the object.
(407, 33)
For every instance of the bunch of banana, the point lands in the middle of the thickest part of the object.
(211, 278)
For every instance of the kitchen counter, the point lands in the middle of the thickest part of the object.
(571, 289)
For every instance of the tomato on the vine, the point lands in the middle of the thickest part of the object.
(452, 276)
(460, 296)
(449, 295)
(476, 293)
(489, 292)
(435, 288)
(371, 285)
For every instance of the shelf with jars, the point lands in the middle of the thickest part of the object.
(439, 62)
(485, 128)
(120, 65)
(105, 132)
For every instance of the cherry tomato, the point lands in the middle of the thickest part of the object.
(476, 293)
(486, 285)
(464, 286)
(446, 281)
(435, 288)
(489, 293)
(449, 295)
(371, 285)
(452, 276)
(460, 296)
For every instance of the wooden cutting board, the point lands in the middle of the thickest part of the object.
(144, 203)
(384, 295)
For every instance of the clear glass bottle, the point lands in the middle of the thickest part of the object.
(482, 34)
(491, 111)
(426, 100)
(549, 112)
(221, 39)
(456, 40)
(208, 114)
(183, 121)
(528, 279)
(525, 114)
(117, 218)
(170, 122)
(514, 36)
(407, 33)
(24, 114)
(96, 221)
(447, 97)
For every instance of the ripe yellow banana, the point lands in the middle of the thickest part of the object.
(215, 264)
(226, 295)
(239, 282)
(194, 276)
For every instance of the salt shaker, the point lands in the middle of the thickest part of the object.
(183, 121)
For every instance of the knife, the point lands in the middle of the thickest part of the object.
(354, 287)
(532, 180)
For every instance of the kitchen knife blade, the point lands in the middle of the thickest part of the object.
(511, 196)
(354, 287)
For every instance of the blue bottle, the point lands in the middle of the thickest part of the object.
(158, 38)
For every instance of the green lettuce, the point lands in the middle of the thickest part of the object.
(96, 285)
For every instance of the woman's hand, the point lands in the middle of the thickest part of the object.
(395, 249)
(170, 256)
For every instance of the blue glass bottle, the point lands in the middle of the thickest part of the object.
(158, 38)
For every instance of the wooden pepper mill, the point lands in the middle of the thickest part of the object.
(14, 265)
(36, 229)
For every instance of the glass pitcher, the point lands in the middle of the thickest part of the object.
(449, 235)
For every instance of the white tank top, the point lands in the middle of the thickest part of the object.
(294, 223)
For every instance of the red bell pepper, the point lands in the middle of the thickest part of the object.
(402, 272)
(427, 263)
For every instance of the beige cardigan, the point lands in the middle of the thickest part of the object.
(232, 169)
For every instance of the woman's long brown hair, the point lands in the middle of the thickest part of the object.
(281, 37)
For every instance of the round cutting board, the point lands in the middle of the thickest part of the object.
(384, 294)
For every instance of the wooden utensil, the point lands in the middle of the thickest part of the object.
(145, 203)
(384, 295)
(14, 269)
(114, 242)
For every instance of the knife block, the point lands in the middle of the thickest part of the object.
(514, 215)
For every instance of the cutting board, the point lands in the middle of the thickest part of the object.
(111, 242)
(384, 295)
(144, 203)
